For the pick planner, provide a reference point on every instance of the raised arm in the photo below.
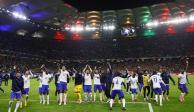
(74, 70)
(44, 68)
(90, 68)
(85, 68)
(109, 66)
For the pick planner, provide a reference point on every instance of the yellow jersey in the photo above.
(145, 80)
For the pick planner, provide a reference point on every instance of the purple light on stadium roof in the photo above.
(39, 15)
(21, 7)
(5, 27)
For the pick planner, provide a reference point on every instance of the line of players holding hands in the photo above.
(157, 83)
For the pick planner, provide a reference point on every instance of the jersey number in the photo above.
(117, 82)
(155, 80)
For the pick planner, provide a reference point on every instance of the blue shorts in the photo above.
(16, 95)
(45, 88)
(133, 90)
(140, 85)
(57, 86)
(87, 88)
(97, 87)
(183, 88)
(167, 87)
(62, 86)
(40, 90)
(117, 92)
(103, 87)
(26, 91)
(163, 87)
(157, 90)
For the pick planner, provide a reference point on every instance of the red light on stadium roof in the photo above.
(59, 36)
(171, 30)
(78, 22)
(164, 18)
(76, 36)
(190, 28)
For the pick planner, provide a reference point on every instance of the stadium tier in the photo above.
(147, 21)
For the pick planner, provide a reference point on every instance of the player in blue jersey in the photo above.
(166, 77)
(16, 89)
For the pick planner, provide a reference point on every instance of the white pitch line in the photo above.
(75, 101)
(150, 107)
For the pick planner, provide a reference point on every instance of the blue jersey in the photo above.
(109, 77)
(78, 79)
(17, 83)
(166, 77)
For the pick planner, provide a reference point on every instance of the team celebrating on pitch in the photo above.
(107, 82)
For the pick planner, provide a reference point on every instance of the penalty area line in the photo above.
(150, 107)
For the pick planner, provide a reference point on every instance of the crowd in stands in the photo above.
(151, 53)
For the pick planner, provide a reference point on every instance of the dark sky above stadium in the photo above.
(88, 5)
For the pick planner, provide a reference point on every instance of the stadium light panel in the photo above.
(87, 28)
(19, 16)
(111, 27)
(152, 24)
(191, 18)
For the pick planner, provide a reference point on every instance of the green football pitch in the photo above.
(140, 106)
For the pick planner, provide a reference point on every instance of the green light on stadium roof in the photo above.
(149, 32)
(145, 16)
(145, 20)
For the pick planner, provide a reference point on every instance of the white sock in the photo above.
(136, 96)
(43, 99)
(103, 95)
(132, 96)
(156, 98)
(123, 102)
(10, 105)
(90, 95)
(161, 100)
(94, 96)
(100, 96)
(183, 94)
(17, 106)
(111, 103)
(85, 97)
(65, 98)
(40, 98)
(60, 98)
(47, 99)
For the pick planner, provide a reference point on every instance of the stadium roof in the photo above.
(35, 13)
(39, 18)
(100, 5)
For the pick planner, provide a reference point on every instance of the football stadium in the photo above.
(96, 55)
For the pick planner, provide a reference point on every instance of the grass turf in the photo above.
(34, 106)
